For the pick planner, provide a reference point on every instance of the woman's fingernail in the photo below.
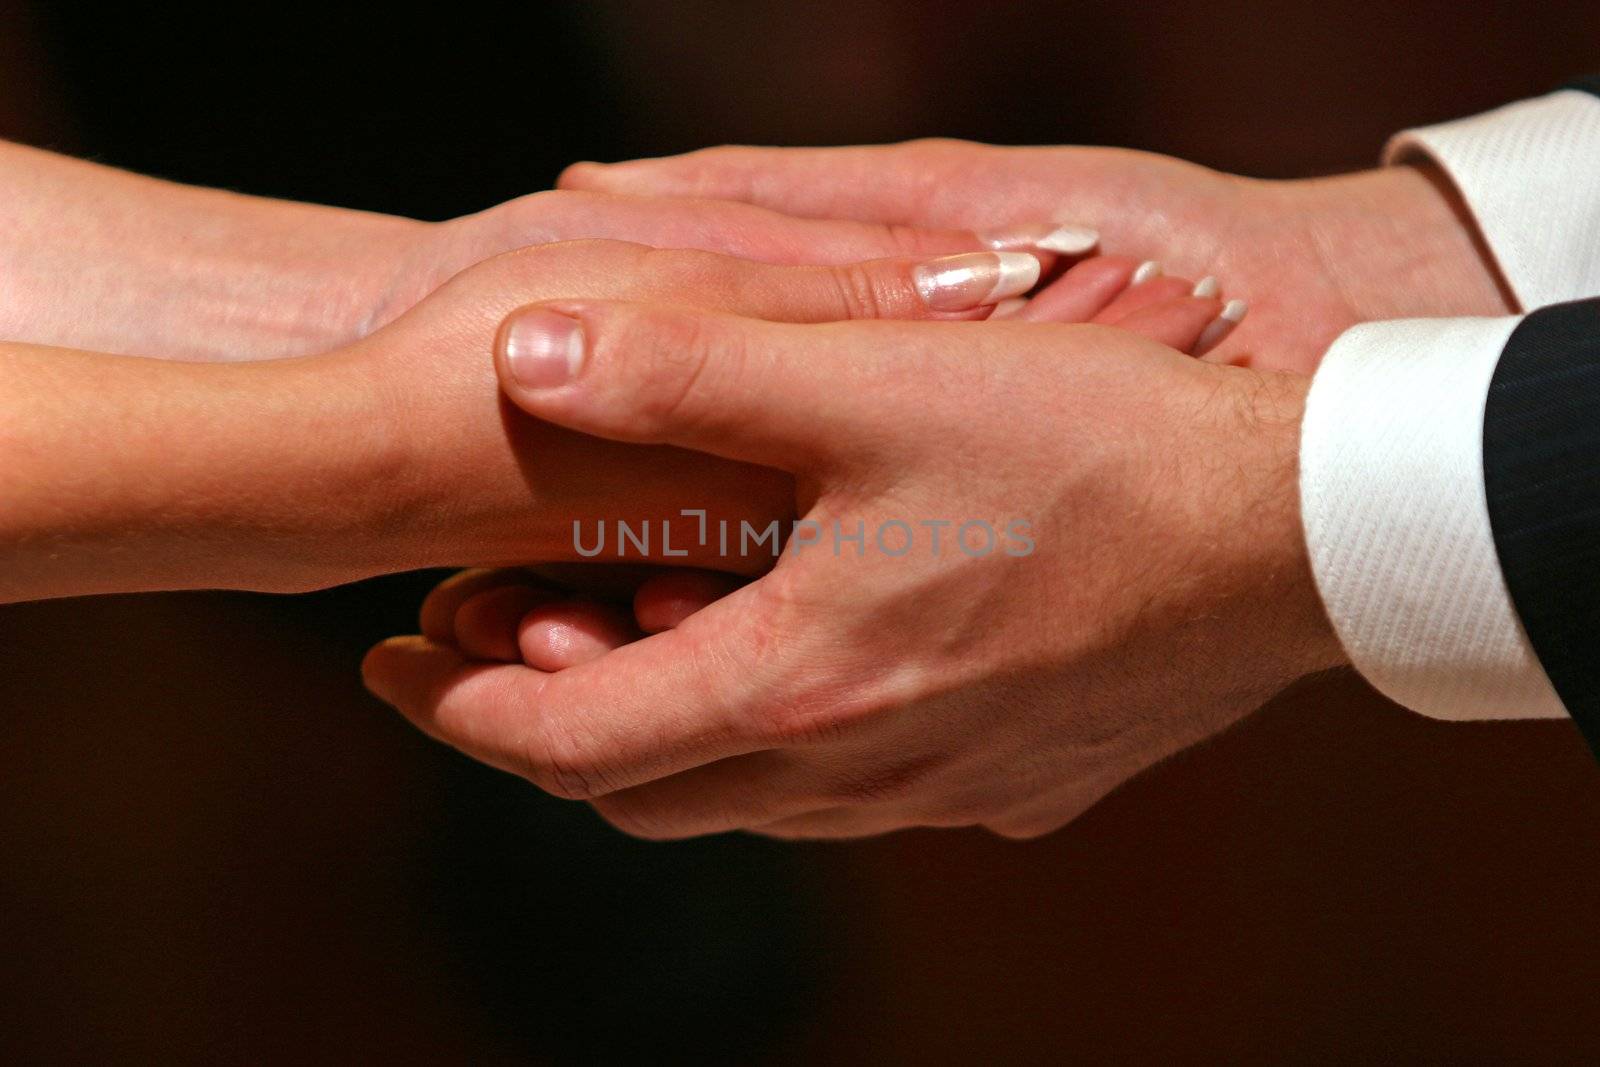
(1145, 271)
(973, 279)
(542, 349)
(1063, 238)
(1205, 287)
(1220, 327)
(1008, 309)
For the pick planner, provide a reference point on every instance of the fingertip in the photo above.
(401, 671)
(437, 616)
(1218, 330)
(665, 601)
(569, 633)
(486, 623)
(1054, 238)
(375, 665)
(968, 282)
(1177, 323)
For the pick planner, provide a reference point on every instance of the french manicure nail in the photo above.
(1205, 287)
(1145, 271)
(1063, 238)
(973, 279)
(542, 349)
(1220, 327)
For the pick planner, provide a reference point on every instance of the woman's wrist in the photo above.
(129, 475)
(157, 268)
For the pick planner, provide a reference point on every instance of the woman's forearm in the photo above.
(124, 475)
(101, 259)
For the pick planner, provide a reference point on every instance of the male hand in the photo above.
(1141, 585)
(527, 614)
(1314, 256)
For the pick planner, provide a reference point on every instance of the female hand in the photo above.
(180, 272)
(397, 451)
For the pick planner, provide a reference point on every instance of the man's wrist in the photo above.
(1287, 597)
(1399, 243)
(1528, 172)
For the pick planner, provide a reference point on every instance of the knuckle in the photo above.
(674, 270)
(795, 721)
(552, 256)
(909, 240)
(812, 690)
(940, 157)
(576, 176)
(526, 210)
(686, 366)
(543, 200)
(818, 710)
(795, 686)
(702, 169)
(565, 767)
(861, 290)
(729, 153)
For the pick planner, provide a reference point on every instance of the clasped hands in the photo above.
(866, 677)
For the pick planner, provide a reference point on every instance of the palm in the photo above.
(1312, 257)
(1256, 237)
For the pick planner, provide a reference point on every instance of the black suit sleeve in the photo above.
(1541, 467)
(1589, 83)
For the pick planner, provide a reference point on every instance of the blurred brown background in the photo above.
(215, 848)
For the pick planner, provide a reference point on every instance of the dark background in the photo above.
(214, 847)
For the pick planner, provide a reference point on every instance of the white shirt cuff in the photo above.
(1397, 522)
(1530, 173)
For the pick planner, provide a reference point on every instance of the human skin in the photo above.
(1154, 654)
(156, 268)
(521, 615)
(1168, 595)
(1315, 256)
(123, 474)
